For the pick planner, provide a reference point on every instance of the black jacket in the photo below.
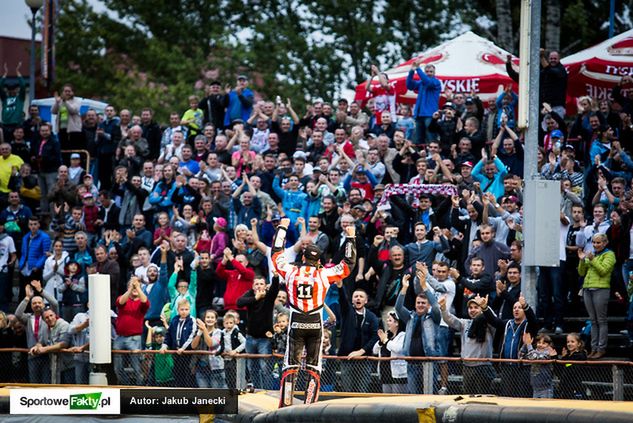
(260, 313)
(553, 85)
(369, 328)
(153, 134)
(50, 158)
(213, 108)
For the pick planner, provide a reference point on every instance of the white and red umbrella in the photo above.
(596, 70)
(464, 64)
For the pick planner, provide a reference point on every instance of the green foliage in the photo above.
(153, 53)
(583, 22)
(156, 52)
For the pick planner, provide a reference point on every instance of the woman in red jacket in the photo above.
(238, 280)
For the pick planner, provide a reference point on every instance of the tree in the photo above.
(552, 25)
(505, 37)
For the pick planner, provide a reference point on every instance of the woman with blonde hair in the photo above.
(597, 267)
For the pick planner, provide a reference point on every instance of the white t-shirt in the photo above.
(7, 246)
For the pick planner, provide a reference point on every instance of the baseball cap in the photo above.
(512, 199)
(276, 216)
(220, 221)
(469, 100)
(158, 330)
(569, 147)
(379, 187)
(472, 300)
(75, 156)
(87, 195)
(467, 164)
(556, 133)
(448, 105)
(299, 154)
(242, 76)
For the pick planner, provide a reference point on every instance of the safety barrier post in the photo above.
(618, 383)
(428, 377)
(54, 364)
(240, 382)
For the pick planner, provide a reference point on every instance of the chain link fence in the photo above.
(594, 380)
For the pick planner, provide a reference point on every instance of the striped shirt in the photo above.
(307, 285)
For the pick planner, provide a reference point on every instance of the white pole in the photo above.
(530, 35)
(100, 325)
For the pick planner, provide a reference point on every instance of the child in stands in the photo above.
(541, 375)
(570, 376)
(233, 343)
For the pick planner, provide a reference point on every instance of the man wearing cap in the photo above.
(443, 123)
(239, 101)
(75, 171)
(427, 102)
(307, 285)
(213, 105)
(473, 107)
(466, 172)
(477, 337)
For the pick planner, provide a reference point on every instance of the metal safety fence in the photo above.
(595, 380)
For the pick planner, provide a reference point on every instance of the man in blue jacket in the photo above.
(238, 101)
(35, 245)
(428, 88)
(359, 333)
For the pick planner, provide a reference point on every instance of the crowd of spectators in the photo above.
(182, 216)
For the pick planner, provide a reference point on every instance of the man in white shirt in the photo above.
(7, 258)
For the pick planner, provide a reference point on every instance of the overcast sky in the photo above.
(14, 18)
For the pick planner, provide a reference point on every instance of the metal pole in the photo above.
(32, 66)
(611, 18)
(618, 383)
(530, 165)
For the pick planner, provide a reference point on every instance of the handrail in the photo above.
(363, 358)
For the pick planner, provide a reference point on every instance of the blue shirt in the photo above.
(192, 165)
